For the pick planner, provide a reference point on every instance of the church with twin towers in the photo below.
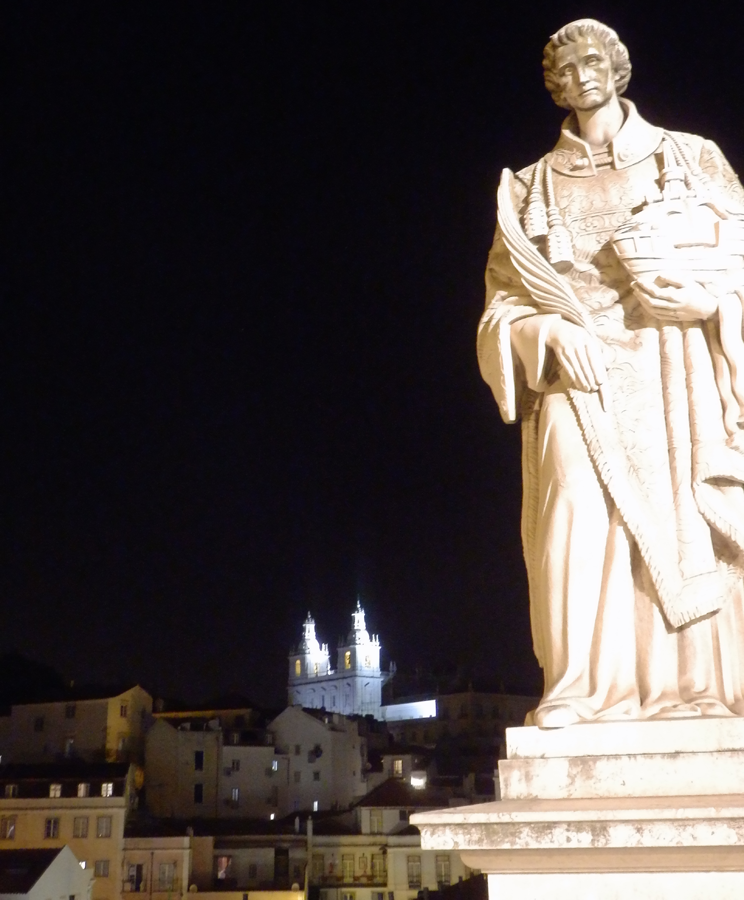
(353, 686)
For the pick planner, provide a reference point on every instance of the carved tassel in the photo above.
(559, 247)
(674, 178)
(536, 215)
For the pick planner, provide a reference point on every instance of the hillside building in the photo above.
(81, 805)
(91, 724)
(353, 686)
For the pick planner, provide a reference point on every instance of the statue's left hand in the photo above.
(675, 298)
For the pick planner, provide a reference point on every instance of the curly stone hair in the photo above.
(617, 51)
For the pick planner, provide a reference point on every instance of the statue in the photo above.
(613, 329)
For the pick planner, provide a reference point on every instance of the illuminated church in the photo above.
(353, 687)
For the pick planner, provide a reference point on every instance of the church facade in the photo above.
(352, 687)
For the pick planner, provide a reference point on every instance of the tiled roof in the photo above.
(83, 692)
(72, 769)
(396, 793)
(21, 869)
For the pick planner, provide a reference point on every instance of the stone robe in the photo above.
(633, 517)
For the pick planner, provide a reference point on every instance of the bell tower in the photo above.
(354, 687)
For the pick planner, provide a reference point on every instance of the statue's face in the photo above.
(583, 69)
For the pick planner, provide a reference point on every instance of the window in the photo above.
(297, 777)
(11, 790)
(347, 659)
(378, 895)
(7, 828)
(55, 790)
(123, 711)
(103, 826)
(70, 711)
(318, 866)
(403, 815)
(102, 868)
(135, 876)
(347, 866)
(223, 866)
(443, 870)
(235, 765)
(348, 895)
(166, 876)
(235, 795)
(51, 828)
(69, 746)
(414, 871)
(198, 793)
(80, 827)
(83, 789)
(379, 871)
(375, 821)
(316, 669)
(316, 776)
(298, 749)
(316, 805)
(252, 871)
(298, 667)
(198, 760)
(398, 768)
(274, 765)
(107, 789)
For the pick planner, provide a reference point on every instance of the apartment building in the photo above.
(96, 725)
(81, 805)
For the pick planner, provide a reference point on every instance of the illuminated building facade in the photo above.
(353, 688)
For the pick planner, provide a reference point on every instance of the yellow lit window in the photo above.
(298, 667)
(347, 659)
(316, 669)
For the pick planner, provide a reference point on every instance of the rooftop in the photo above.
(21, 869)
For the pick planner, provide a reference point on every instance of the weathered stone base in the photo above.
(618, 886)
(648, 810)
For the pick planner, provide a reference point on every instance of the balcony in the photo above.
(368, 880)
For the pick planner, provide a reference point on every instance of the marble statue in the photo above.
(613, 330)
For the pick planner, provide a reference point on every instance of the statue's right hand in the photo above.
(579, 353)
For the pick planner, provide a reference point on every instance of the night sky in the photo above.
(241, 285)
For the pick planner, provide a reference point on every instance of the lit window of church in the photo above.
(315, 669)
(347, 659)
(298, 667)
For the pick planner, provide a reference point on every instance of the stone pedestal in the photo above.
(609, 811)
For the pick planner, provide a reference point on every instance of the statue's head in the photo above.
(587, 34)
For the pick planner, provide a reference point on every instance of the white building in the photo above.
(214, 763)
(327, 758)
(41, 874)
(353, 687)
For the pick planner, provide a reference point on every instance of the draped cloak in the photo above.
(666, 454)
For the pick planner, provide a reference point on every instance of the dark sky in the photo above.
(241, 286)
